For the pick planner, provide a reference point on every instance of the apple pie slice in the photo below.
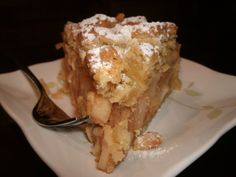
(118, 71)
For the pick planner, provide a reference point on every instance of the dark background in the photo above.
(30, 29)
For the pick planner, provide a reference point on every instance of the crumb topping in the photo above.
(115, 49)
(147, 140)
(87, 25)
(95, 60)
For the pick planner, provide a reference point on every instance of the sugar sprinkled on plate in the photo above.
(149, 154)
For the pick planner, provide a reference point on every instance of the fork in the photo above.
(46, 113)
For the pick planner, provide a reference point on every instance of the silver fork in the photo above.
(46, 113)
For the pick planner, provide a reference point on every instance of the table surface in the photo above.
(30, 29)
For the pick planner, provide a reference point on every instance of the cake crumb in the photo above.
(147, 140)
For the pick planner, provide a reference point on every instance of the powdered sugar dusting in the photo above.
(92, 27)
(147, 49)
(149, 154)
(121, 32)
(95, 60)
(90, 36)
(95, 19)
(87, 25)
(137, 19)
(116, 33)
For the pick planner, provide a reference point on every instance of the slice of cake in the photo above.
(118, 71)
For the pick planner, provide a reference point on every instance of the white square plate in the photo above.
(190, 121)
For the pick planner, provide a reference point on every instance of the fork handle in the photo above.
(30, 75)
